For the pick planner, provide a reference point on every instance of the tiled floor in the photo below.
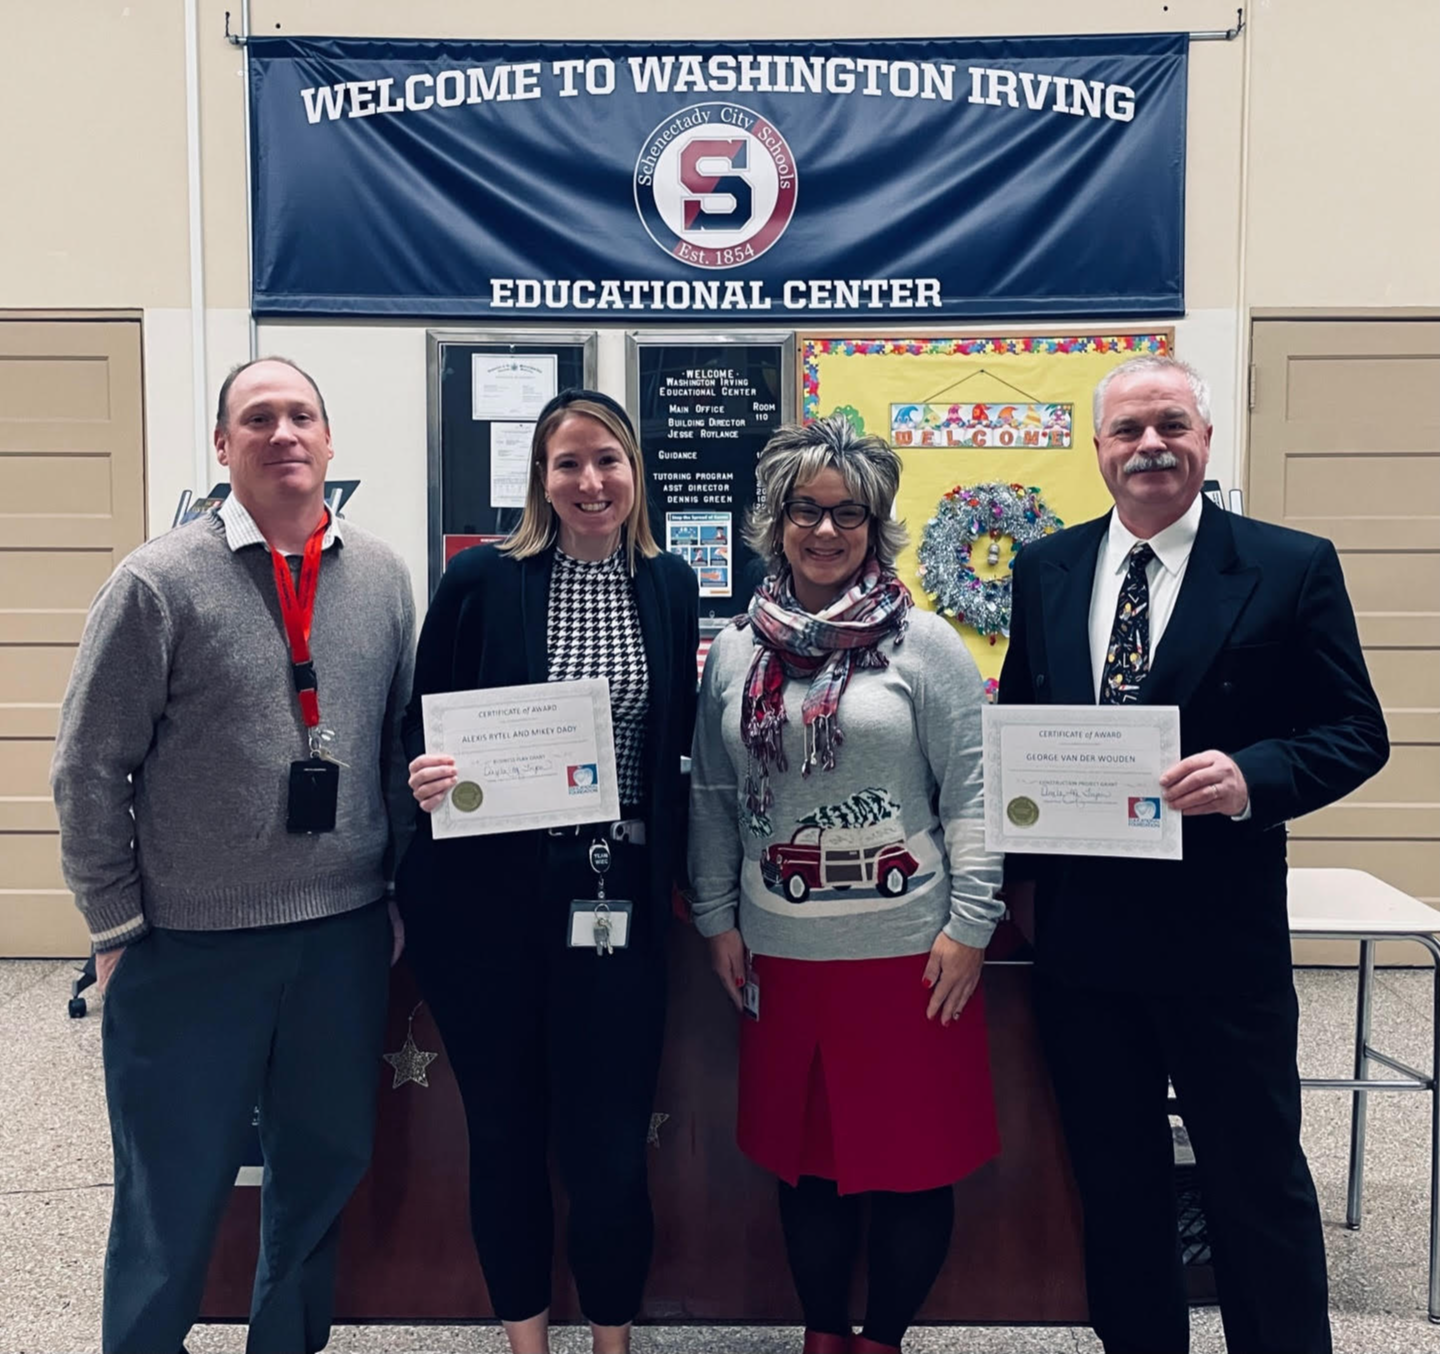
(55, 1193)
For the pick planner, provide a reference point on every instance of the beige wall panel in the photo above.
(1410, 776)
(32, 860)
(41, 924)
(93, 107)
(41, 628)
(1386, 581)
(72, 495)
(1321, 396)
(54, 388)
(1399, 630)
(60, 578)
(1416, 533)
(1414, 726)
(1404, 677)
(1372, 486)
(1397, 599)
(1412, 867)
(1342, 202)
(1351, 819)
(36, 485)
(36, 672)
(28, 720)
(34, 814)
(25, 766)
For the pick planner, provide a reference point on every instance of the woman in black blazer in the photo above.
(546, 1037)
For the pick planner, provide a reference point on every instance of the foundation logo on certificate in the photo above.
(1143, 811)
(582, 780)
(715, 185)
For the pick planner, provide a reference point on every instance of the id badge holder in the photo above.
(314, 795)
(600, 922)
(751, 990)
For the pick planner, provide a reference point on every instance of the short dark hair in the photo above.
(222, 413)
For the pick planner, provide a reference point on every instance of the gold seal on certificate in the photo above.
(1023, 811)
(467, 797)
(1081, 780)
(538, 756)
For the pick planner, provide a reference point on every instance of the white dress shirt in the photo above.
(1163, 578)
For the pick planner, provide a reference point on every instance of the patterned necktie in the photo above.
(1128, 656)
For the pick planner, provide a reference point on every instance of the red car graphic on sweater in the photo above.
(838, 858)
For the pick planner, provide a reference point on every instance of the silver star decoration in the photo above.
(410, 1062)
(652, 1135)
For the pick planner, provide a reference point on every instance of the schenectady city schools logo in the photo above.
(715, 185)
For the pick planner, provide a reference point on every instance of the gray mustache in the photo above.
(1142, 462)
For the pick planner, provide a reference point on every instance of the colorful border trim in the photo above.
(813, 349)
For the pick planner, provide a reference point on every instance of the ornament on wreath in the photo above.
(965, 516)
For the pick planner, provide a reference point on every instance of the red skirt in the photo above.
(843, 1077)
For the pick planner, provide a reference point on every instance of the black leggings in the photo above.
(910, 1234)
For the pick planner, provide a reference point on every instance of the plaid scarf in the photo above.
(826, 649)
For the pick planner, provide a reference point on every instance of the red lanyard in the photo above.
(297, 609)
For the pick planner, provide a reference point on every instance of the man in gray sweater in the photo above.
(231, 857)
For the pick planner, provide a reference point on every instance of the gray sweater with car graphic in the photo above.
(873, 858)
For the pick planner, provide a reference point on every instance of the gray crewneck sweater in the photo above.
(873, 858)
(180, 722)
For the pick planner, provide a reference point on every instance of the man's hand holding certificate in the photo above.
(539, 756)
(1081, 780)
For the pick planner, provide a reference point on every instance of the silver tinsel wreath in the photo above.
(963, 517)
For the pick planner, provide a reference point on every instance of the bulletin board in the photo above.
(484, 389)
(966, 411)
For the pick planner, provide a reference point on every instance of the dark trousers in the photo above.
(1232, 1060)
(551, 1044)
(199, 1029)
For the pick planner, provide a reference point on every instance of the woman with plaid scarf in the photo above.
(838, 860)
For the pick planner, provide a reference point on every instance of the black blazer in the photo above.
(1262, 657)
(486, 627)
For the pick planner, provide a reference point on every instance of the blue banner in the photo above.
(740, 182)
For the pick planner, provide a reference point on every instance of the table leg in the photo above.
(1364, 976)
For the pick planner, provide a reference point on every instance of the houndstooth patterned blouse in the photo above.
(593, 631)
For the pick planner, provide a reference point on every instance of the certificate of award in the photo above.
(539, 756)
(1081, 780)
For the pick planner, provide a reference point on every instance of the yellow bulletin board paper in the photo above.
(969, 410)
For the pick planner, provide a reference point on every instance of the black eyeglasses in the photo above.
(846, 516)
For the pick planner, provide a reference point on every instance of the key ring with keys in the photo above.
(602, 928)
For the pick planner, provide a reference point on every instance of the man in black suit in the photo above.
(1181, 970)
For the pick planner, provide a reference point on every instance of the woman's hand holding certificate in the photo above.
(1081, 780)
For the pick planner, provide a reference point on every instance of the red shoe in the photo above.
(863, 1345)
(826, 1342)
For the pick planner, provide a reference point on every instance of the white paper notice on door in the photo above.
(509, 463)
(511, 385)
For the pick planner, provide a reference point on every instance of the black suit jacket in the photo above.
(486, 627)
(1262, 657)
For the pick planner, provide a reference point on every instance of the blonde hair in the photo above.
(537, 529)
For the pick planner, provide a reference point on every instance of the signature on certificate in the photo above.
(520, 768)
(1077, 794)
